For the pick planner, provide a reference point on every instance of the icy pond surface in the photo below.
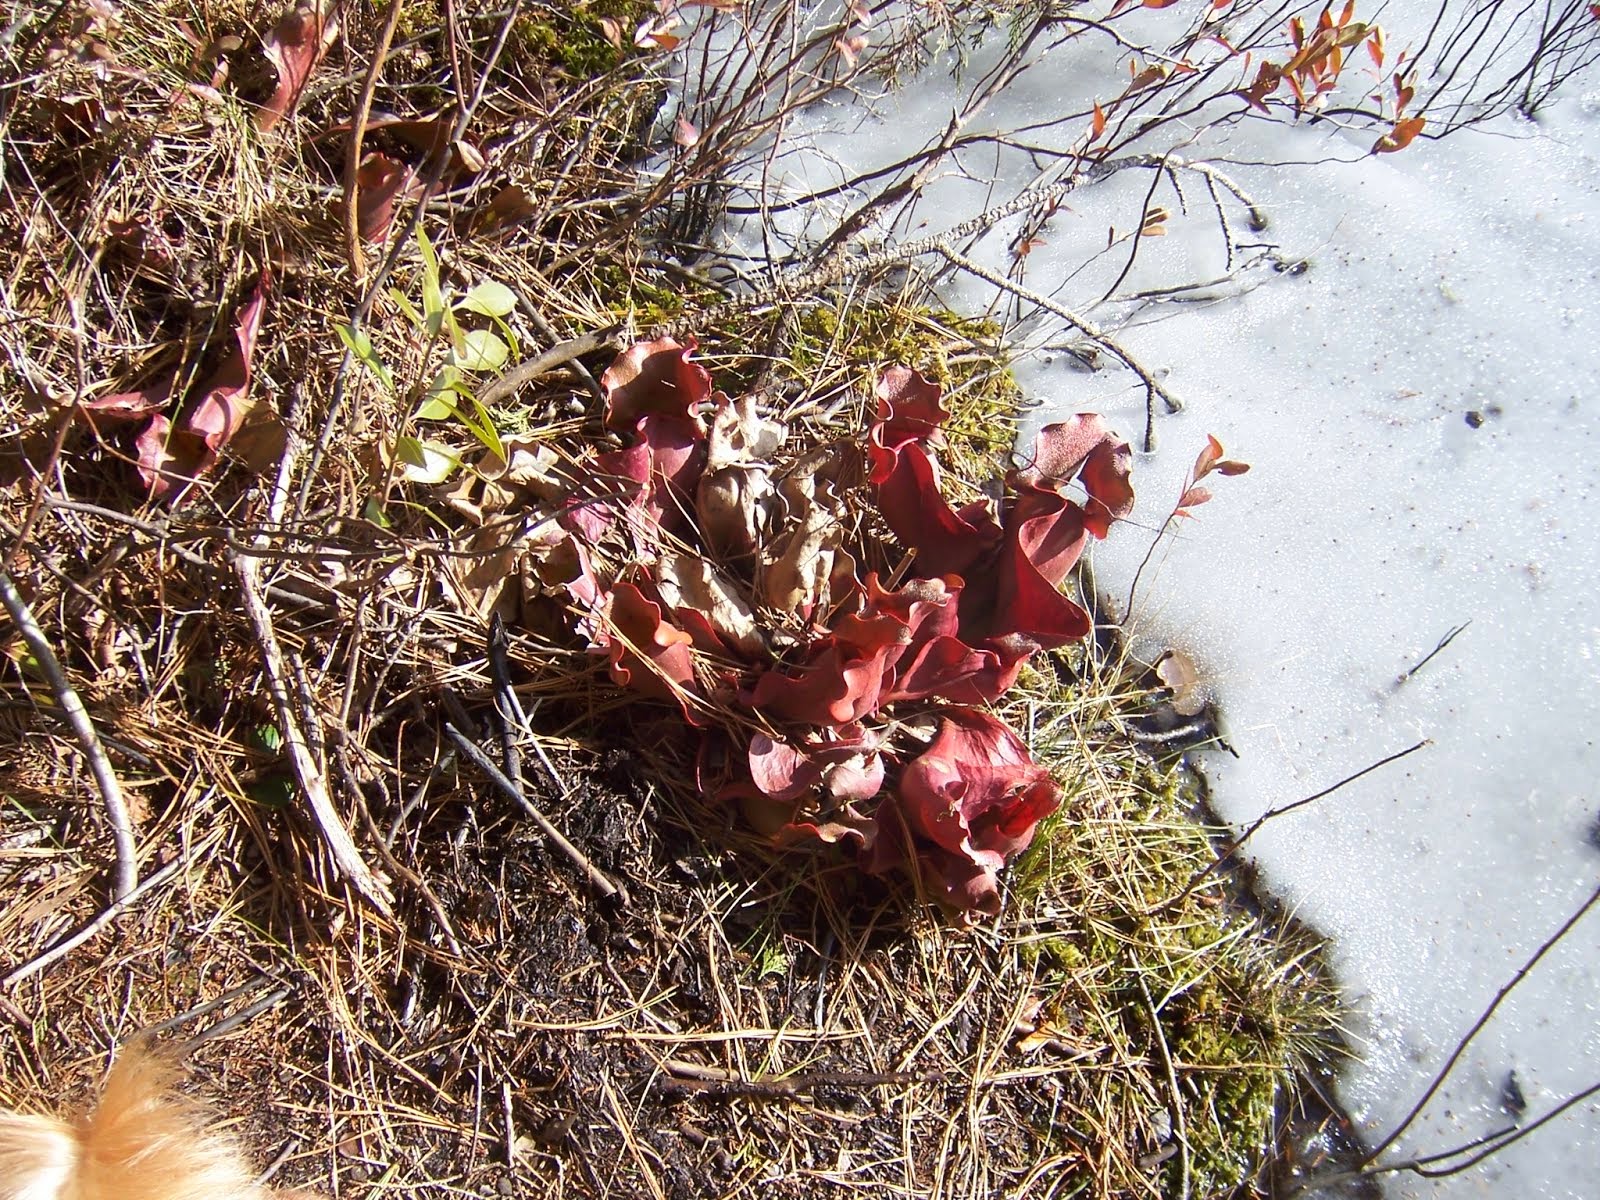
(1422, 409)
(1421, 405)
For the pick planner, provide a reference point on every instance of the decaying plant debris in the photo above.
(764, 630)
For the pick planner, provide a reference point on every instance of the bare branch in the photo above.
(77, 718)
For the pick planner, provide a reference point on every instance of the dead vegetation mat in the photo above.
(485, 1020)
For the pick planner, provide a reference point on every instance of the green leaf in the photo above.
(273, 791)
(510, 337)
(373, 511)
(481, 350)
(440, 404)
(432, 294)
(407, 307)
(266, 738)
(436, 408)
(482, 426)
(489, 298)
(425, 462)
(360, 345)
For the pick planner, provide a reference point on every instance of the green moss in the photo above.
(573, 38)
(962, 355)
(418, 18)
(1243, 1009)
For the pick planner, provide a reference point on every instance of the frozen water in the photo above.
(1421, 411)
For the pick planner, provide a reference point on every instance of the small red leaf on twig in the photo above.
(1210, 459)
(1402, 135)
(850, 48)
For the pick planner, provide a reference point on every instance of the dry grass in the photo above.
(750, 1021)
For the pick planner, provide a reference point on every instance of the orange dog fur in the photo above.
(144, 1141)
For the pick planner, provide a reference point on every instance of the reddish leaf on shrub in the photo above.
(1402, 135)
(1210, 455)
(295, 47)
(1210, 459)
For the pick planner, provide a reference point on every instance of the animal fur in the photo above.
(144, 1141)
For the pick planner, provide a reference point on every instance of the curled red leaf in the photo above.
(380, 181)
(172, 455)
(909, 415)
(977, 796)
(129, 406)
(646, 652)
(845, 765)
(225, 398)
(654, 377)
(841, 684)
(1084, 448)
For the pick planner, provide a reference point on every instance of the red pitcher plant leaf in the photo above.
(654, 377)
(645, 652)
(975, 790)
(172, 455)
(743, 605)
(295, 47)
(846, 766)
(909, 415)
(380, 181)
(225, 397)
